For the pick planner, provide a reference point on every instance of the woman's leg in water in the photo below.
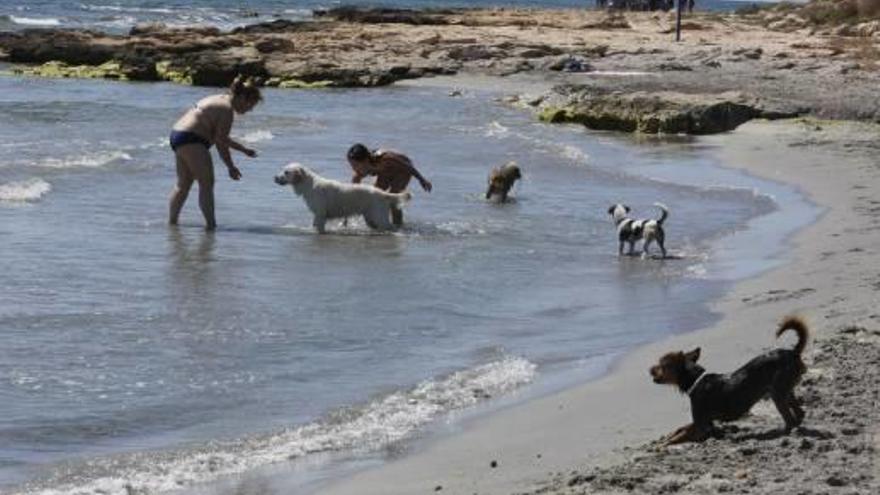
(181, 190)
(198, 161)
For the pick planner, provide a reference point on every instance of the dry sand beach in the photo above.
(600, 437)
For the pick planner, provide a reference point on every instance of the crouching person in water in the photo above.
(393, 172)
(206, 124)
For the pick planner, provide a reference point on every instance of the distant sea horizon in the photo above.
(121, 15)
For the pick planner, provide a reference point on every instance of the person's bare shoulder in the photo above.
(216, 105)
(391, 158)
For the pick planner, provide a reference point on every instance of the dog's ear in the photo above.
(611, 209)
(693, 355)
(627, 208)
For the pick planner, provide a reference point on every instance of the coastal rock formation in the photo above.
(623, 53)
(343, 47)
(650, 113)
(837, 17)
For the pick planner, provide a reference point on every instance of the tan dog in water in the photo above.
(501, 180)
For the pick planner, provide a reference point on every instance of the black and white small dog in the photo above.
(630, 230)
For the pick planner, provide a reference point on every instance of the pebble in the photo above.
(836, 480)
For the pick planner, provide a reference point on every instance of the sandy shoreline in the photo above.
(543, 444)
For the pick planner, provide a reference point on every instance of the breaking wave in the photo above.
(92, 160)
(29, 21)
(373, 425)
(28, 191)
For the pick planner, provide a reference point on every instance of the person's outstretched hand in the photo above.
(234, 172)
(250, 152)
(426, 185)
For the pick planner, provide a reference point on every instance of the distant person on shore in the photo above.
(206, 124)
(393, 172)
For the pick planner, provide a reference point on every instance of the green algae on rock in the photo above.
(57, 69)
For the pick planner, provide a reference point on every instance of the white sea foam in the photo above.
(122, 8)
(497, 130)
(299, 13)
(444, 229)
(697, 271)
(34, 21)
(92, 160)
(457, 228)
(28, 191)
(575, 154)
(117, 21)
(388, 419)
(258, 136)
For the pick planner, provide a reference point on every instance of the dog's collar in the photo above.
(696, 382)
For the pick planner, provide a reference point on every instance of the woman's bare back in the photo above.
(210, 118)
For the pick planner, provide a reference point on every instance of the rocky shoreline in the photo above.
(618, 71)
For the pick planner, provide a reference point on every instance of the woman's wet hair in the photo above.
(358, 152)
(247, 88)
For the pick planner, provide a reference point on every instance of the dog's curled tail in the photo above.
(664, 212)
(403, 198)
(797, 324)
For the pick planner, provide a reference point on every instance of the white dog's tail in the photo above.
(663, 213)
(399, 199)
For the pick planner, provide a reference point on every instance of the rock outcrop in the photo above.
(652, 113)
(344, 47)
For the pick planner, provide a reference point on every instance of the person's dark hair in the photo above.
(246, 87)
(358, 152)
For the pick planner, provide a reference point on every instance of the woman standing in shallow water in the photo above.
(202, 126)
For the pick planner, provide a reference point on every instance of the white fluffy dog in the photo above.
(328, 199)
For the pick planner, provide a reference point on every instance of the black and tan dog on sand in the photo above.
(727, 397)
(501, 179)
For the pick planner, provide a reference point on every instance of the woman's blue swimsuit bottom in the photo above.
(179, 138)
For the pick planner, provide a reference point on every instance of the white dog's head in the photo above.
(618, 212)
(295, 175)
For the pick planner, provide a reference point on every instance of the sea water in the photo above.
(138, 356)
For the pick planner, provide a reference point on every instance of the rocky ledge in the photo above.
(618, 71)
(343, 47)
(659, 112)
